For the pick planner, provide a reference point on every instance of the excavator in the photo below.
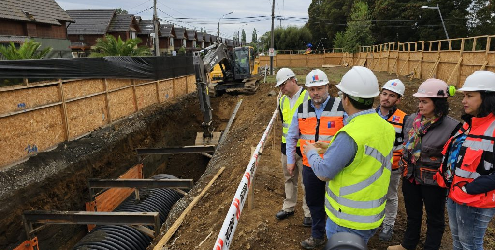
(239, 73)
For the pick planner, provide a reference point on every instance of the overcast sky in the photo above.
(197, 14)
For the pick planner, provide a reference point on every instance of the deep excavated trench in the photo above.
(57, 180)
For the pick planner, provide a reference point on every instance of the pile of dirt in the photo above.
(258, 228)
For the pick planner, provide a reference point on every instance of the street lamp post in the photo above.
(218, 27)
(441, 18)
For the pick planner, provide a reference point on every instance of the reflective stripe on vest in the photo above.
(353, 217)
(355, 198)
(385, 161)
(288, 112)
(312, 129)
(475, 160)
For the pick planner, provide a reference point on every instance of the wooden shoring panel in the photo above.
(146, 95)
(180, 87)
(82, 88)
(22, 99)
(444, 70)
(121, 103)
(119, 83)
(315, 60)
(166, 88)
(191, 84)
(28, 133)
(86, 115)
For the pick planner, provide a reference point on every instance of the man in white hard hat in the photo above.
(293, 96)
(390, 96)
(316, 120)
(357, 164)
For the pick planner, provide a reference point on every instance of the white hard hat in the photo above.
(396, 86)
(316, 78)
(359, 82)
(479, 81)
(283, 75)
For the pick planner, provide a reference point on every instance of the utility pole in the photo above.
(156, 24)
(272, 50)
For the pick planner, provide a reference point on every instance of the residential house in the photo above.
(44, 21)
(207, 40)
(200, 42)
(125, 26)
(191, 40)
(146, 28)
(167, 35)
(180, 38)
(88, 27)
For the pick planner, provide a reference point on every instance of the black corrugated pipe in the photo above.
(127, 238)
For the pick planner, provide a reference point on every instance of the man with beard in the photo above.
(316, 120)
(392, 91)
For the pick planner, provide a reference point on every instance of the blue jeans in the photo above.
(468, 225)
(333, 228)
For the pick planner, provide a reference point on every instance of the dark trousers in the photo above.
(315, 199)
(433, 198)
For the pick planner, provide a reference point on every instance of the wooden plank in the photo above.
(107, 104)
(64, 109)
(136, 108)
(163, 241)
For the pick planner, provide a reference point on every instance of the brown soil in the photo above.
(258, 228)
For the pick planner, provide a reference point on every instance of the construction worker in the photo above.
(358, 161)
(467, 167)
(390, 96)
(293, 96)
(317, 119)
(425, 134)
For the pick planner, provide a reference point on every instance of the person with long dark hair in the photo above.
(425, 134)
(467, 168)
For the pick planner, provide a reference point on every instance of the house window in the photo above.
(81, 38)
(194, 44)
(184, 43)
(171, 42)
(133, 34)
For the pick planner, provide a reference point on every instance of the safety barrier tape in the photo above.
(229, 225)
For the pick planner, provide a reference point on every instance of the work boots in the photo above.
(386, 233)
(396, 247)
(312, 243)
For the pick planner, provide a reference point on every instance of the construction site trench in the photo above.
(57, 180)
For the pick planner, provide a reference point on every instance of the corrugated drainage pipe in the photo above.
(127, 238)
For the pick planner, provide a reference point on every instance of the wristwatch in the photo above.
(464, 189)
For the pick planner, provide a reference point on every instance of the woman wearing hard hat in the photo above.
(425, 133)
(467, 168)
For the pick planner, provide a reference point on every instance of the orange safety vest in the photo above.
(312, 129)
(475, 159)
(397, 120)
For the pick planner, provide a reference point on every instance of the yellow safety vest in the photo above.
(356, 197)
(288, 113)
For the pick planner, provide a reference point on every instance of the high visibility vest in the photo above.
(356, 197)
(397, 121)
(312, 129)
(475, 159)
(288, 112)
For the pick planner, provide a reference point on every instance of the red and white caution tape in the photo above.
(229, 225)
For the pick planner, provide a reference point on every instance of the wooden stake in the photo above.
(178, 222)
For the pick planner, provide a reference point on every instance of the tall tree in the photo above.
(326, 18)
(28, 50)
(254, 36)
(121, 11)
(289, 38)
(243, 36)
(481, 20)
(358, 31)
(110, 46)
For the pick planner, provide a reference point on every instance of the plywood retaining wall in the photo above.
(38, 117)
(451, 60)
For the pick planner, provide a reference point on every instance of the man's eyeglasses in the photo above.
(340, 94)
